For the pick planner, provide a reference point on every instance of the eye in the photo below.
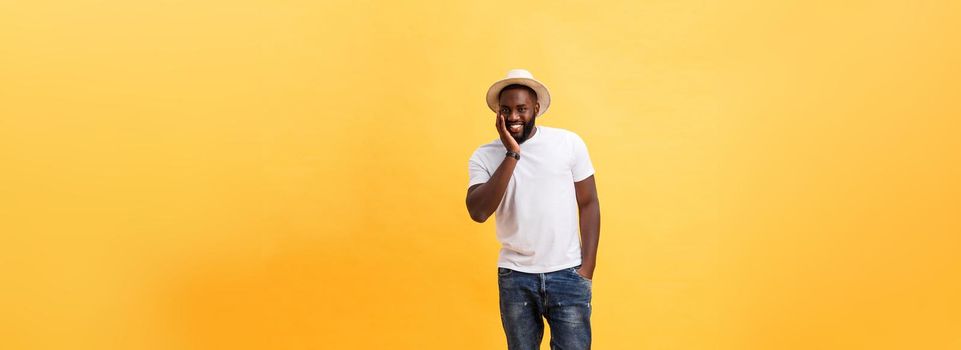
(522, 110)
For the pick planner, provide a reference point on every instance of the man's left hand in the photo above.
(586, 274)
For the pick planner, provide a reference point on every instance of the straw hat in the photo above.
(523, 77)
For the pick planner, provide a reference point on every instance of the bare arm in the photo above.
(483, 199)
(590, 220)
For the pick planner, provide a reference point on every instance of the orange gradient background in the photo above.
(291, 175)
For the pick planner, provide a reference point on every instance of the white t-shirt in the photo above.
(537, 220)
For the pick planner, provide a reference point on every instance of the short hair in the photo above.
(518, 86)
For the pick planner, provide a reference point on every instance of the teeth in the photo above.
(516, 126)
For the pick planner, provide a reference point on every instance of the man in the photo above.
(539, 181)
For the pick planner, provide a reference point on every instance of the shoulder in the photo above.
(492, 147)
(559, 133)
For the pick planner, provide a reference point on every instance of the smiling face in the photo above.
(518, 105)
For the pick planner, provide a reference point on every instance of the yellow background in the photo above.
(291, 174)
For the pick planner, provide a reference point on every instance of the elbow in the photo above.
(476, 213)
(478, 217)
(590, 204)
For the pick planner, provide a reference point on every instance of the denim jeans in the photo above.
(562, 297)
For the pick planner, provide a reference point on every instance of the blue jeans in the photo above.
(563, 297)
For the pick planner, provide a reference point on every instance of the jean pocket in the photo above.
(503, 271)
(574, 270)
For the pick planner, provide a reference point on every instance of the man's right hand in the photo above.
(506, 137)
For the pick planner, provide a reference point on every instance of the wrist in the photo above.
(512, 154)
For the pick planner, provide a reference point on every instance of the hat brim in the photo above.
(543, 96)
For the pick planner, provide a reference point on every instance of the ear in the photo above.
(537, 107)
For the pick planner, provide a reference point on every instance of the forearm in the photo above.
(590, 224)
(483, 201)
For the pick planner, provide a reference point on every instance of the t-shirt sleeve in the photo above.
(582, 167)
(477, 171)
